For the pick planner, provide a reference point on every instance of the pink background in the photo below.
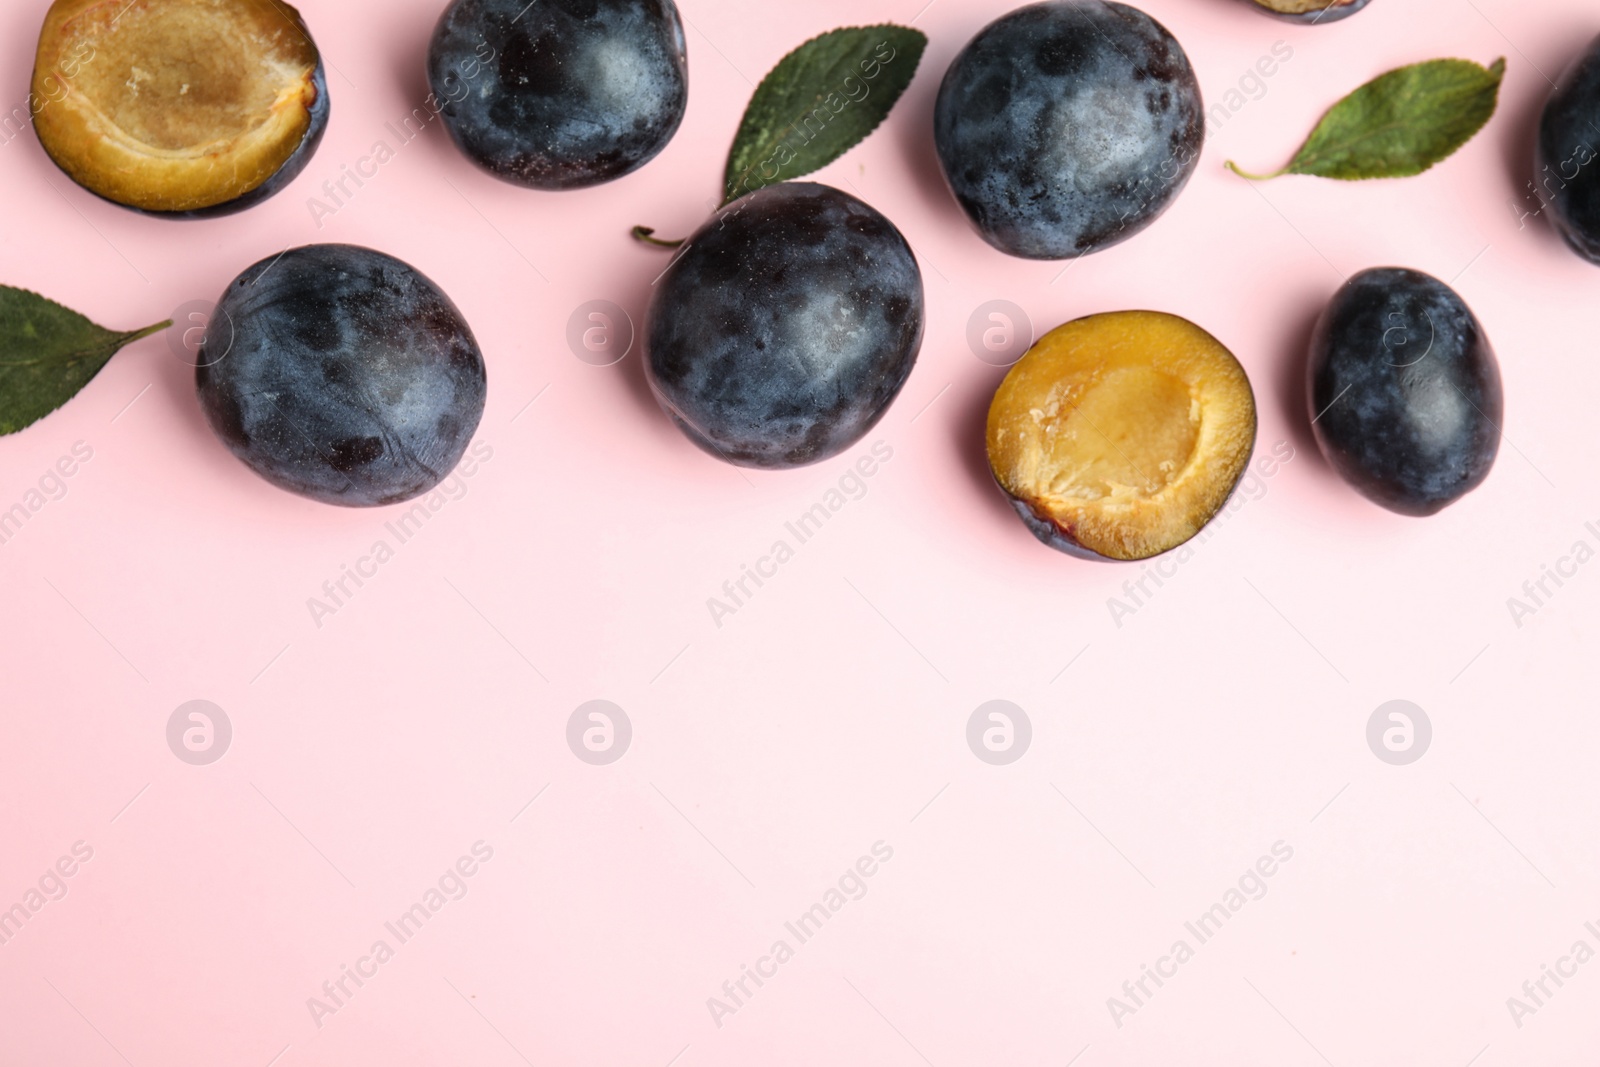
(829, 713)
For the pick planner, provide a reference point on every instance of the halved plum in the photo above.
(182, 108)
(1120, 435)
(1312, 12)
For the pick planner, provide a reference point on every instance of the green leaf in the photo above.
(820, 101)
(47, 354)
(1399, 123)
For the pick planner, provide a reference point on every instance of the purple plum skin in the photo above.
(786, 327)
(1068, 126)
(1567, 162)
(341, 374)
(560, 94)
(1404, 392)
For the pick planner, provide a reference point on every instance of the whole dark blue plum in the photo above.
(341, 374)
(1068, 126)
(1311, 12)
(786, 327)
(1567, 167)
(1404, 391)
(560, 94)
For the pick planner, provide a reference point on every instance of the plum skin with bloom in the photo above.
(787, 326)
(1068, 126)
(571, 93)
(341, 374)
(1569, 137)
(1404, 391)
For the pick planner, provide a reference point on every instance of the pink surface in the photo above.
(1169, 752)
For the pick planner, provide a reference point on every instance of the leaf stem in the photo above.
(1231, 165)
(646, 235)
(129, 338)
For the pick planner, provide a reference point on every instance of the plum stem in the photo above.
(1231, 165)
(647, 236)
